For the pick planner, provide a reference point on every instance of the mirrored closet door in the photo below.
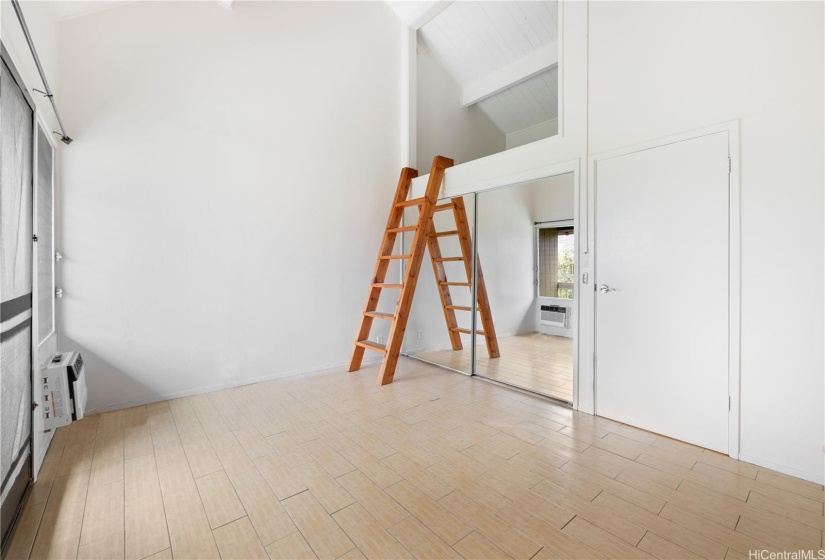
(526, 245)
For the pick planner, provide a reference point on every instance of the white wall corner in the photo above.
(423, 12)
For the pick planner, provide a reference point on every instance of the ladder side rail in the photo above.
(382, 265)
(464, 236)
(443, 289)
(405, 298)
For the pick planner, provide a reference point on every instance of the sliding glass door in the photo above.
(16, 216)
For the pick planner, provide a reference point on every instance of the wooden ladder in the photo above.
(462, 230)
(426, 208)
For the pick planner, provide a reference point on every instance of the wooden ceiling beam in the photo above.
(518, 71)
(424, 12)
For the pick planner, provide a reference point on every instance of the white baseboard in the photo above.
(818, 478)
(210, 388)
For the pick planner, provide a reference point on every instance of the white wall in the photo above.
(552, 199)
(226, 190)
(507, 252)
(538, 131)
(444, 127)
(727, 71)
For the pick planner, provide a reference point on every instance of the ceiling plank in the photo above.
(516, 72)
(424, 12)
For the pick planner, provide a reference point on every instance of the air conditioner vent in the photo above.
(554, 316)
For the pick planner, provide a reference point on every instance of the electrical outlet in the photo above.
(379, 339)
(420, 334)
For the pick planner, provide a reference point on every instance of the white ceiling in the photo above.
(73, 8)
(526, 104)
(402, 8)
(473, 39)
(67, 9)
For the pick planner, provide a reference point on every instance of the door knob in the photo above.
(604, 288)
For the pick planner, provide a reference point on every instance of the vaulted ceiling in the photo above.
(504, 55)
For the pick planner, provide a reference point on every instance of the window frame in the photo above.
(554, 224)
(40, 124)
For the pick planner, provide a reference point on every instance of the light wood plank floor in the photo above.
(537, 362)
(436, 465)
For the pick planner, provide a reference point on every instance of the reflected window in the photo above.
(556, 262)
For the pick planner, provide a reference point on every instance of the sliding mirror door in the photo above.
(440, 323)
(526, 248)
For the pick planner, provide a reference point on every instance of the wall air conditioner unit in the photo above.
(554, 316)
(64, 390)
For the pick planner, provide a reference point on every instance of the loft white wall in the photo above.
(530, 134)
(226, 190)
(713, 64)
(444, 127)
(552, 199)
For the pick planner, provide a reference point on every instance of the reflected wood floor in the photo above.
(436, 465)
(537, 362)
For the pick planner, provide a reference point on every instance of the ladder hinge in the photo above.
(34, 238)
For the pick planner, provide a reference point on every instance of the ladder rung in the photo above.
(441, 207)
(390, 257)
(447, 259)
(379, 315)
(411, 202)
(459, 308)
(400, 229)
(466, 331)
(370, 345)
(454, 284)
(389, 286)
(444, 233)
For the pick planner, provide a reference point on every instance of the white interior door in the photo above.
(662, 300)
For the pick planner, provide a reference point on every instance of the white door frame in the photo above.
(42, 349)
(734, 262)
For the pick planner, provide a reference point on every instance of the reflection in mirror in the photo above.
(440, 321)
(487, 78)
(526, 237)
